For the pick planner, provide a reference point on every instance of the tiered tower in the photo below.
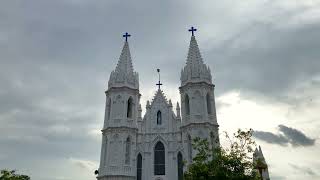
(120, 124)
(197, 100)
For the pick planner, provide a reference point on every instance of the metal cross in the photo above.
(192, 30)
(159, 83)
(126, 35)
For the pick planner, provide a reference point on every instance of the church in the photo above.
(157, 145)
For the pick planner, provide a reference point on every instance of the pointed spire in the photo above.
(124, 74)
(195, 70)
(125, 63)
(194, 56)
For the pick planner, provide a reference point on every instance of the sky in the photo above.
(56, 58)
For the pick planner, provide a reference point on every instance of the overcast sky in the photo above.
(56, 58)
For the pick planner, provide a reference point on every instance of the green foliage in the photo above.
(217, 163)
(11, 175)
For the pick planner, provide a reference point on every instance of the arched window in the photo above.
(128, 149)
(190, 148)
(109, 108)
(159, 159)
(212, 139)
(159, 118)
(187, 105)
(139, 167)
(198, 103)
(180, 166)
(105, 152)
(129, 108)
(209, 108)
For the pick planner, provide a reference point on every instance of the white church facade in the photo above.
(158, 145)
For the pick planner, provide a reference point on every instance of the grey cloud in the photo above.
(271, 137)
(296, 137)
(305, 170)
(56, 57)
(285, 136)
(266, 59)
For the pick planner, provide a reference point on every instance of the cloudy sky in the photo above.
(56, 57)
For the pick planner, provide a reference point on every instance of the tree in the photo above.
(11, 175)
(218, 163)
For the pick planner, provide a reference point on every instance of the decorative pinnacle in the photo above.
(192, 29)
(126, 35)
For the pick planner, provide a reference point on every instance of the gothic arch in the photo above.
(197, 102)
(212, 138)
(209, 106)
(139, 167)
(159, 159)
(115, 145)
(187, 104)
(105, 151)
(127, 150)
(180, 166)
(159, 118)
(157, 139)
(117, 107)
(189, 142)
(109, 108)
(130, 107)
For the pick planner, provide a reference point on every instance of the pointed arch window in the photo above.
(105, 152)
(180, 166)
(139, 167)
(187, 104)
(159, 159)
(128, 150)
(212, 139)
(159, 118)
(109, 108)
(190, 148)
(209, 107)
(129, 107)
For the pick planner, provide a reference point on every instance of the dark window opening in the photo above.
(209, 108)
(180, 166)
(187, 105)
(129, 108)
(159, 159)
(128, 149)
(159, 118)
(190, 148)
(139, 167)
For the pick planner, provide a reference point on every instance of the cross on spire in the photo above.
(126, 35)
(159, 84)
(192, 29)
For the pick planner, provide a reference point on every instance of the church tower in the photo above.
(260, 164)
(197, 101)
(117, 160)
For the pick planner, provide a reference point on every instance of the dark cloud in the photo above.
(303, 169)
(56, 57)
(285, 136)
(271, 137)
(296, 137)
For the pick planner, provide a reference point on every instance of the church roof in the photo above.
(195, 70)
(159, 97)
(124, 74)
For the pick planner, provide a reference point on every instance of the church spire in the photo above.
(124, 74)
(195, 70)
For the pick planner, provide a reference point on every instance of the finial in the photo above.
(192, 29)
(159, 83)
(126, 35)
